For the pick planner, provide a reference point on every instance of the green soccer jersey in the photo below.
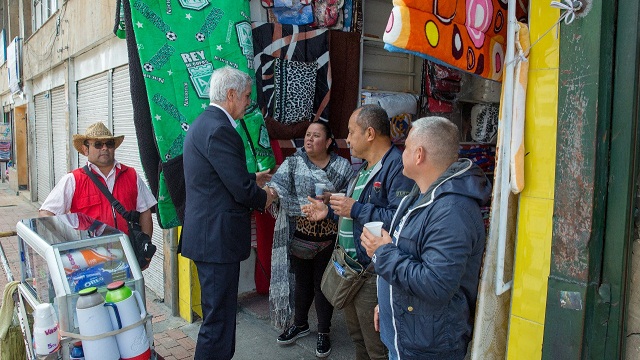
(345, 233)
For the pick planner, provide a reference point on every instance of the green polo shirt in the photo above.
(345, 232)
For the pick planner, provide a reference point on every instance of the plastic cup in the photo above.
(320, 189)
(340, 194)
(374, 227)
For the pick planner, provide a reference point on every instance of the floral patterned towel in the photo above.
(468, 35)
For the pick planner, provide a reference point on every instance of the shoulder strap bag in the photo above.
(342, 278)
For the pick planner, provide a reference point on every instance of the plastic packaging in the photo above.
(99, 275)
(46, 335)
(76, 352)
(255, 137)
(82, 259)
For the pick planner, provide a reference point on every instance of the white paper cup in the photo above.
(320, 189)
(374, 227)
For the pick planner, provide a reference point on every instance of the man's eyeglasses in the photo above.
(99, 144)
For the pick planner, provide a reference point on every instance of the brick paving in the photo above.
(171, 343)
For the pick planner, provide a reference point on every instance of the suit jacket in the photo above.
(220, 192)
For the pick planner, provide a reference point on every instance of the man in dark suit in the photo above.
(220, 194)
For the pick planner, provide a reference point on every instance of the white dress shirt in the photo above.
(233, 122)
(59, 199)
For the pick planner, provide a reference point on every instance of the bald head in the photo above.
(439, 137)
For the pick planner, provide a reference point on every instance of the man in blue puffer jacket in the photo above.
(428, 270)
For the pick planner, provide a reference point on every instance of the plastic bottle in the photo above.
(46, 335)
(82, 259)
(134, 343)
(93, 319)
(76, 352)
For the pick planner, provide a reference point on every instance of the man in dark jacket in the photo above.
(220, 196)
(373, 195)
(428, 269)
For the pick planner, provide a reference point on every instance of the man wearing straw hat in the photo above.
(76, 193)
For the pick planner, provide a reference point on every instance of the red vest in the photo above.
(88, 199)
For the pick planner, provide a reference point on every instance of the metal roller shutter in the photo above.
(129, 154)
(60, 131)
(93, 104)
(43, 146)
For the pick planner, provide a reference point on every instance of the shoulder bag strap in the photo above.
(249, 140)
(112, 200)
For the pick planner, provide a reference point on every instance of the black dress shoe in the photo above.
(292, 333)
(323, 348)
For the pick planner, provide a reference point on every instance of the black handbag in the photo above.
(140, 241)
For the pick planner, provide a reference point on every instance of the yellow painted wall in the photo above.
(189, 291)
(533, 249)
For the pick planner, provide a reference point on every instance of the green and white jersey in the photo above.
(345, 232)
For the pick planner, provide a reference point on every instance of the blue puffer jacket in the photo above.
(428, 278)
(379, 198)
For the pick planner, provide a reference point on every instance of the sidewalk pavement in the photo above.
(174, 338)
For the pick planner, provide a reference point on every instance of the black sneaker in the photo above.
(323, 349)
(292, 333)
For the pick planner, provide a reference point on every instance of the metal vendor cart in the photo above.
(61, 255)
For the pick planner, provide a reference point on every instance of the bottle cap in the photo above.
(42, 311)
(88, 291)
(115, 285)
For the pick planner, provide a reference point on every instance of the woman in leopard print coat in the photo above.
(308, 245)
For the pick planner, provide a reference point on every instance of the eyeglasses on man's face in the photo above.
(99, 144)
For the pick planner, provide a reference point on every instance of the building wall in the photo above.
(13, 25)
(4, 83)
(74, 44)
(74, 29)
(533, 247)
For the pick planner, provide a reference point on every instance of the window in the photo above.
(42, 10)
(3, 46)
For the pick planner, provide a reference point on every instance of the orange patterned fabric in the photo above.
(467, 34)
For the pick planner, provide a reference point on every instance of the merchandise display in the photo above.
(468, 35)
(99, 275)
(73, 295)
(82, 259)
(177, 61)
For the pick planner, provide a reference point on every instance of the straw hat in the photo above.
(96, 131)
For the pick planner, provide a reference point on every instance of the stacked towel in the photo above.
(469, 35)
(482, 155)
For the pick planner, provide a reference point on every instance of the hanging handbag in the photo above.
(305, 249)
(342, 279)
(140, 241)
